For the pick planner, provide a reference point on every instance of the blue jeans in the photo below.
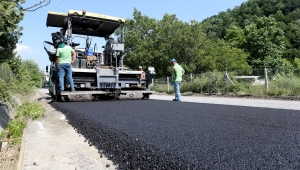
(62, 68)
(177, 90)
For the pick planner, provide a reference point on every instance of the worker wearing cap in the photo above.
(143, 75)
(65, 57)
(177, 73)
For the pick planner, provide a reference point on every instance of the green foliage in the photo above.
(4, 93)
(10, 32)
(210, 82)
(235, 37)
(297, 63)
(20, 81)
(222, 57)
(265, 43)
(232, 24)
(35, 74)
(215, 83)
(151, 42)
(263, 40)
(285, 85)
(16, 126)
(31, 110)
(15, 64)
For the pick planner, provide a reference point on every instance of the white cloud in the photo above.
(23, 49)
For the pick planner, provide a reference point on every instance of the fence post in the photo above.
(191, 77)
(152, 83)
(2, 71)
(168, 84)
(266, 78)
(227, 77)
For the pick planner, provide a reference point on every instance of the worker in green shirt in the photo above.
(65, 57)
(177, 73)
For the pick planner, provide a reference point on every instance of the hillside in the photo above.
(286, 13)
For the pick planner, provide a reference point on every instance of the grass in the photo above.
(214, 83)
(14, 91)
(31, 110)
(17, 125)
(12, 87)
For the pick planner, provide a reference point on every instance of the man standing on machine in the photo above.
(63, 64)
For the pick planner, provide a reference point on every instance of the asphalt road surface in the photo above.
(161, 134)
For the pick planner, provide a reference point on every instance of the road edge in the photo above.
(22, 148)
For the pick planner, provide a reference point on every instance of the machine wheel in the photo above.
(145, 96)
(66, 99)
(119, 97)
(54, 97)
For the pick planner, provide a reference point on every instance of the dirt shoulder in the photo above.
(51, 143)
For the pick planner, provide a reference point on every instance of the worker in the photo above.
(143, 75)
(177, 73)
(63, 64)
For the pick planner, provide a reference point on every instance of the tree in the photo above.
(229, 58)
(235, 37)
(10, 32)
(15, 64)
(150, 42)
(264, 41)
(36, 78)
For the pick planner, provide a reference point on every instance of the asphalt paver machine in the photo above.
(96, 74)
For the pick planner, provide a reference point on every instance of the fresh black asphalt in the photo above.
(156, 134)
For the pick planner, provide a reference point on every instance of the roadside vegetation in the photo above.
(215, 83)
(18, 124)
(19, 79)
(255, 35)
(258, 34)
(18, 82)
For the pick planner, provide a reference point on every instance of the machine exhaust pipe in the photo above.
(102, 59)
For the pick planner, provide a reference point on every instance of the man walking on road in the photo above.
(177, 73)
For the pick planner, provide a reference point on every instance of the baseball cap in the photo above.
(140, 66)
(173, 60)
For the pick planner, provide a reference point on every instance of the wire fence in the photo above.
(9, 150)
(5, 73)
(214, 82)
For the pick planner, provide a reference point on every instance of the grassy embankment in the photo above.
(15, 94)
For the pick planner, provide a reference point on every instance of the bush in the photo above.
(31, 110)
(16, 126)
(214, 82)
(4, 92)
(285, 85)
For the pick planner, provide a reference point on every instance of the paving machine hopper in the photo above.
(95, 74)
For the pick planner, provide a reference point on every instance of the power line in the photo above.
(29, 9)
(29, 14)
(43, 21)
(58, 4)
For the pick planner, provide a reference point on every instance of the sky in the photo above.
(35, 31)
